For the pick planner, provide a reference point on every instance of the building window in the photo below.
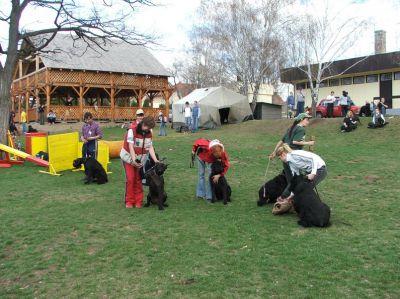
(386, 77)
(347, 81)
(323, 83)
(308, 84)
(359, 80)
(397, 76)
(300, 86)
(372, 78)
(334, 82)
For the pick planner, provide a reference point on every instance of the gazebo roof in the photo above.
(67, 51)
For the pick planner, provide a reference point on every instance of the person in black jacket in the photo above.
(349, 122)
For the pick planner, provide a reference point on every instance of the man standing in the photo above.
(290, 105)
(23, 121)
(330, 101)
(41, 113)
(300, 102)
(90, 133)
(196, 112)
(188, 115)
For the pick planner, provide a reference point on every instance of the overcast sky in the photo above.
(174, 18)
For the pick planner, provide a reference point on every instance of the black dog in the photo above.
(272, 189)
(155, 181)
(311, 210)
(94, 171)
(221, 190)
(31, 129)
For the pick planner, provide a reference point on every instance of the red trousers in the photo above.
(133, 185)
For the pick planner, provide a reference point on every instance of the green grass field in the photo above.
(60, 238)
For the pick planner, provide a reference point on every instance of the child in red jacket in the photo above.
(207, 152)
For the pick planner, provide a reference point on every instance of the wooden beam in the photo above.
(37, 62)
(112, 98)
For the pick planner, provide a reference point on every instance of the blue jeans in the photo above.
(163, 129)
(300, 107)
(187, 121)
(203, 181)
(89, 149)
(195, 124)
(24, 129)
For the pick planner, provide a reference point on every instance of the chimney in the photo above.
(380, 41)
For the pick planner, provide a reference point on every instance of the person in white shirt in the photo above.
(330, 100)
(303, 162)
(188, 114)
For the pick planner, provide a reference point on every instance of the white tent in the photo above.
(212, 101)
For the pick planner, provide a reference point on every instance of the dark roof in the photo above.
(69, 52)
(372, 63)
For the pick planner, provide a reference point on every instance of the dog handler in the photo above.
(90, 133)
(138, 143)
(295, 138)
(208, 152)
(303, 162)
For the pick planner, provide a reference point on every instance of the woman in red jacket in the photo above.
(138, 143)
(208, 152)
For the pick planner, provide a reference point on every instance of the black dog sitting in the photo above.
(272, 189)
(311, 210)
(31, 129)
(221, 190)
(94, 171)
(155, 181)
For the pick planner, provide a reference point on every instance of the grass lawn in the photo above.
(60, 238)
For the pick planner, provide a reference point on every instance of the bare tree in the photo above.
(95, 24)
(317, 41)
(238, 43)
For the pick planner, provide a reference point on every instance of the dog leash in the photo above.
(266, 171)
(265, 175)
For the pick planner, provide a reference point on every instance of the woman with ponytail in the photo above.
(303, 162)
(294, 138)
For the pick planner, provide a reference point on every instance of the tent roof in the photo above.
(67, 51)
(210, 95)
(197, 95)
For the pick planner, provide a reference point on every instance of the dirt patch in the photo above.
(372, 178)
(344, 177)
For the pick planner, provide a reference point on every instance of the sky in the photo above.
(173, 19)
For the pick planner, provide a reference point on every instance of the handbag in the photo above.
(125, 156)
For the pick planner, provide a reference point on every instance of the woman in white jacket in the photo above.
(303, 162)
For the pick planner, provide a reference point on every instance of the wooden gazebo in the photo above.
(71, 78)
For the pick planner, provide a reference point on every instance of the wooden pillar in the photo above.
(140, 97)
(37, 62)
(80, 97)
(27, 107)
(166, 98)
(48, 96)
(20, 68)
(112, 100)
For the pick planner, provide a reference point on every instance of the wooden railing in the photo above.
(70, 113)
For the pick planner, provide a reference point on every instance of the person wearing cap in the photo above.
(138, 143)
(295, 135)
(139, 118)
(208, 152)
(295, 138)
(163, 122)
(91, 132)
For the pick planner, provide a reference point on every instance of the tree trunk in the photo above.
(6, 76)
(255, 96)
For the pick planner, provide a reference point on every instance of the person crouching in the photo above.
(208, 152)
